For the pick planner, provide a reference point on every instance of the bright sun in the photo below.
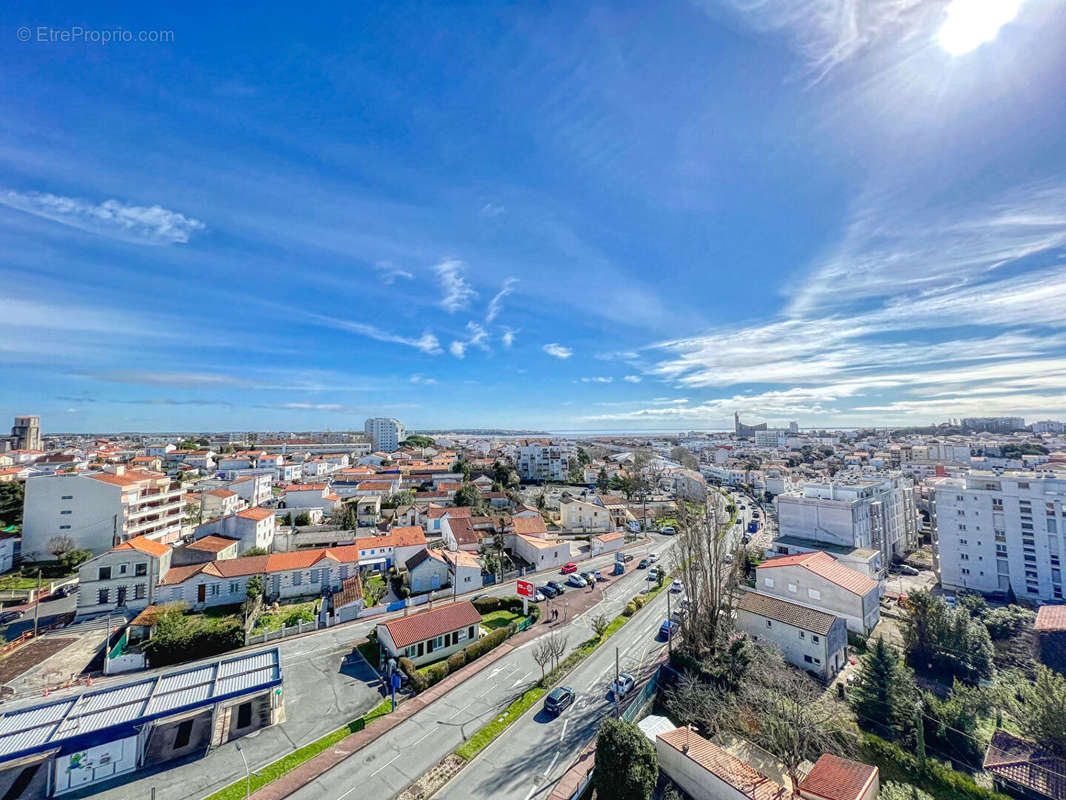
(971, 23)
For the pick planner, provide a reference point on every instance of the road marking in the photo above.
(517, 682)
(349, 792)
(461, 710)
(551, 766)
(423, 736)
(375, 772)
(561, 735)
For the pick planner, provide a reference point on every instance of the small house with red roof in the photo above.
(124, 577)
(836, 778)
(819, 581)
(431, 635)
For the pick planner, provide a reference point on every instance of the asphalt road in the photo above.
(534, 752)
(387, 765)
(50, 611)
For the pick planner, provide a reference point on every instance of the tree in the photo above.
(303, 518)
(462, 466)
(12, 499)
(417, 440)
(542, 654)
(576, 473)
(404, 498)
(254, 587)
(894, 790)
(884, 695)
(288, 519)
(542, 502)
(468, 495)
(600, 623)
(60, 544)
(1043, 714)
(255, 551)
(684, 457)
(72, 559)
(603, 482)
(947, 642)
(373, 591)
(626, 765)
(558, 647)
(952, 725)
(346, 517)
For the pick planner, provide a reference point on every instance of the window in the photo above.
(297, 578)
(139, 592)
(101, 596)
(808, 659)
(471, 632)
(64, 527)
(814, 594)
(215, 589)
(769, 624)
(792, 587)
(105, 574)
(67, 497)
(965, 571)
(315, 575)
(815, 639)
(768, 582)
(964, 556)
(122, 569)
(244, 715)
(184, 734)
(66, 511)
(140, 570)
(234, 587)
(803, 635)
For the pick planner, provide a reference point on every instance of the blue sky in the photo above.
(625, 216)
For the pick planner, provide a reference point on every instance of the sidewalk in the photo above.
(580, 602)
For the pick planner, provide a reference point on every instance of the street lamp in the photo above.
(247, 774)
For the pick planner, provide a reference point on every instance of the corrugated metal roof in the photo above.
(36, 727)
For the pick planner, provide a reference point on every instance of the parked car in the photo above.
(627, 557)
(560, 699)
(577, 580)
(667, 530)
(599, 576)
(619, 568)
(622, 686)
(653, 574)
(643, 564)
(590, 576)
(547, 591)
(558, 587)
(568, 568)
(668, 628)
(907, 569)
(684, 604)
(9, 616)
(676, 586)
(538, 596)
(63, 591)
(653, 557)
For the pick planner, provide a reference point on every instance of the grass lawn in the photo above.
(16, 583)
(271, 772)
(373, 580)
(480, 740)
(371, 651)
(499, 619)
(286, 616)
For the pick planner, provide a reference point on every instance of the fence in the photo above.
(281, 633)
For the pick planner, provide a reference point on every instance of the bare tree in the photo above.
(542, 654)
(557, 642)
(60, 544)
(709, 570)
(600, 624)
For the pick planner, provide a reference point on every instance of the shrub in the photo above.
(435, 673)
(484, 605)
(456, 660)
(484, 644)
(417, 679)
(930, 774)
(630, 609)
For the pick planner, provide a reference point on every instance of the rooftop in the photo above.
(836, 778)
(426, 624)
(726, 767)
(789, 613)
(827, 567)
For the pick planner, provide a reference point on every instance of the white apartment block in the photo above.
(876, 514)
(99, 510)
(993, 533)
(385, 433)
(538, 461)
(772, 437)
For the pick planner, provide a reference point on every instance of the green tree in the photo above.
(894, 790)
(883, 697)
(72, 559)
(303, 518)
(1042, 715)
(627, 768)
(255, 551)
(952, 725)
(254, 587)
(402, 498)
(603, 482)
(462, 466)
(417, 440)
(468, 495)
(947, 642)
(12, 499)
(577, 473)
(542, 502)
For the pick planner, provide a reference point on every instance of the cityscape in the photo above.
(517, 401)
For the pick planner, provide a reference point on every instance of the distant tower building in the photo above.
(385, 433)
(745, 431)
(27, 433)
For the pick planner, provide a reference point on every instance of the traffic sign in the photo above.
(525, 589)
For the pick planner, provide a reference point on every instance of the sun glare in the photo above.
(971, 23)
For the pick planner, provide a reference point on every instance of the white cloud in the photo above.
(312, 406)
(427, 342)
(507, 338)
(477, 337)
(496, 303)
(452, 279)
(492, 210)
(597, 380)
(423, 381)
(557, 350)
(633, 379)
(388, 273)
(153, 225)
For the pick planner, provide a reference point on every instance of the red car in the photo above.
(571, 567)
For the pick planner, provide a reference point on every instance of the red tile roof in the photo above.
(610, 537)
(726, 767)
(144, 545)
(825, 566)
(1026, 764)
(530, 526)
(257, 565)
(212, 544)
(426, 624)
(255, 513)
(836, 778)
(1050, 618)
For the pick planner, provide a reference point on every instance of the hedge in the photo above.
(931, 775)
(456, 660)
(630, 609)
(435, 673)
(417, 679)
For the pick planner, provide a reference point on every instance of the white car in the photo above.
(676, 586)
(653, 574)
(653, 557)
(623, 686)
(576, 580)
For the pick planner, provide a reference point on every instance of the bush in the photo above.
(456, 660)
(630, 609)
(933, 775)
(417, 679)
(484, 644)
(485, 605)
(858, 641)
(435, 673)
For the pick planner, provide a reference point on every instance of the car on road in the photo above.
(577, 580)
(538, 596)
(653, 574)
(622, 686)
(560, 699)
(667, 530)
(547, 591)
(599, 576)
(668, 629)
(907, 569)
(623, 557)
(568, 568)
(9, 616)
(684, 604)
(653, 557)
(63, 591)
(643, 564)
(619, 568)
(676, 586)
(558, 587)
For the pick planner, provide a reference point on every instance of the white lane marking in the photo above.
(375, 772)
(519, 681)
(461, 710)
(423, 736)
(561, 735)
(551, 766)
(349, 792)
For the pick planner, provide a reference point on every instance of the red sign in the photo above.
(525, 589)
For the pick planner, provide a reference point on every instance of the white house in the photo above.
(819, 581)
(810, 639)
(607, 542)
(431, 635)
(579, 515)
(542, 553)
(125, 577)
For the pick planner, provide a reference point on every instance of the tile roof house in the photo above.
(431, 635)
(531, 526)
(125, 577)
(836, 778)
(707, 772)
(459, 534)
(820, 581)
(1022, 766)
(810, 639)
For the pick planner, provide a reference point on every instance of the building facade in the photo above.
(27, 433)
(997, 533)
(539, 461)
(385, 433)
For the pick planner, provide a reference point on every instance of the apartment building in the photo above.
(385, 433)
(541, 461)
(996, 533)
(99, 510)
(878, 514)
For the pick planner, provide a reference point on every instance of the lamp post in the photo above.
(247, 774)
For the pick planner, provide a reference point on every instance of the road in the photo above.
(387, 765)
(50, 611)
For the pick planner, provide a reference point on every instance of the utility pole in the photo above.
(617, 711)
(669, 627)
(37, 605)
